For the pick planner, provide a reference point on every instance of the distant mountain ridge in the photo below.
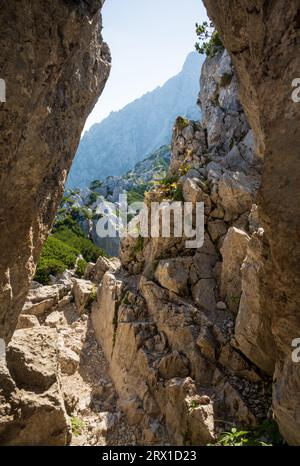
(80, 205)
(115, 145)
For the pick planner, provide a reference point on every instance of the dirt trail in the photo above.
(89, 393)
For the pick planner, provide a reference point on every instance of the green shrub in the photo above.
(266, 434)
(177, 194)
(55, 248)
(210, 42)
(92, 297)
(77, 425)
(70, 233)
(86, 213)
(169, 189)
(138, 247)
(184, 167)
(47, 267)
(95, 184)
(92, 198)
(169, 180)
(86, 247)
(80, 268)
(182, 122)
(136, 194)
(61, 249)
(56, 257)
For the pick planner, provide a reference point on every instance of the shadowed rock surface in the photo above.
(263, 39)
(55, 65)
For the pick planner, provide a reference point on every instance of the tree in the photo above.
(209, 40)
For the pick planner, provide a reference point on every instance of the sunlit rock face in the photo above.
(263, 40)
(55, 65)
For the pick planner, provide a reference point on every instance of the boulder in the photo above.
(237, 193)
(31, 357)
(27, 321)
(253, 328)
(207, 343)
(95, 272)
(204, 293)
(35, 412)
(186, 417)
(188, 133)
(173, 274)
(43, 293)
(39, 419)
(82, 290)
(193, 192)
(216, 229)
(234, 250)
(68, 360)
(55, 319)
(174, 365)
(41, 299)
(38, 309)
(104, 312)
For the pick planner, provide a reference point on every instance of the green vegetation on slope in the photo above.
(265, 435)
(70, 233)
(56, 257)
(61, 249)
(136, 194)
(168, 189)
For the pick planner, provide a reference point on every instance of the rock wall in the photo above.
(55, 65)
(32, 406)
(166, 319)
(263, 40)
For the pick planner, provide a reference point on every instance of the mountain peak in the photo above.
(116, 144)
(193, 60)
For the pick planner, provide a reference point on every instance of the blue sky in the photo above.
(149, 41)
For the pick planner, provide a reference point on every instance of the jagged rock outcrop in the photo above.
(55, 65)
(263, 40)
(166, 319)
(32, 406)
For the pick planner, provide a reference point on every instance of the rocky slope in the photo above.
(55, 388)
(169, 320)
(115, 145)
(55, 65)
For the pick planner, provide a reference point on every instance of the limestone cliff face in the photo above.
(263, 40)
(166, 319)
(55, 65)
